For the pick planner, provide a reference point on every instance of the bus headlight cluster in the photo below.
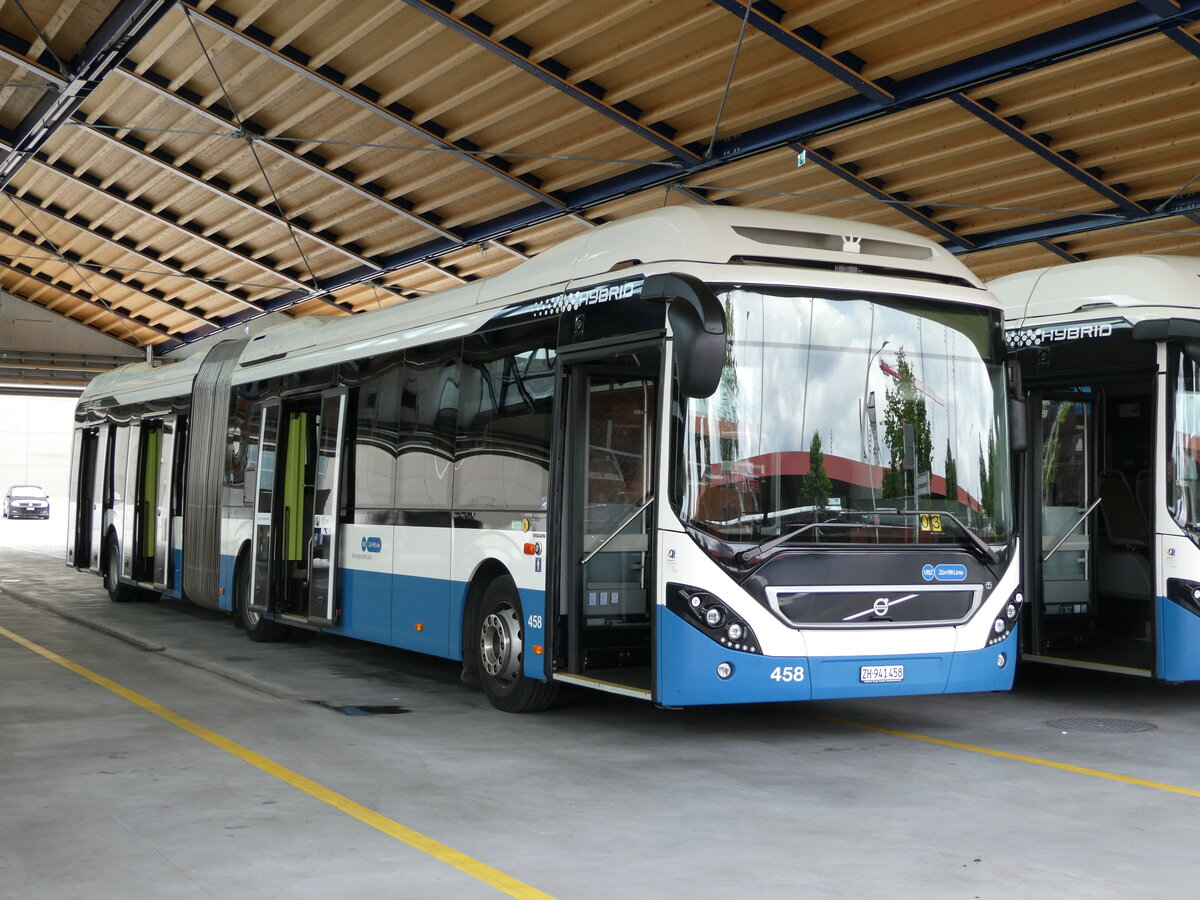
(1007, 620)
(1185, 593)
(712, 617)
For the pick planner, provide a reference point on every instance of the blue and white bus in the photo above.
(1109, 351)
(697, 456)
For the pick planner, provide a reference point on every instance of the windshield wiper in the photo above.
(767, 546)
(978, 543)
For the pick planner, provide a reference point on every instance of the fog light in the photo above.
(724, 670)
(735, 631)
(1011, 610)
(998, 626)
(714, 616)
(1002, 660)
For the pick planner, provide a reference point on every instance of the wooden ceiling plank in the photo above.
(97, 229)
(191, 233)
(428, 131)
(547, 69)
(303, 161)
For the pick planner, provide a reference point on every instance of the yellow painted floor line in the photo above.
(437, 850)
(1004, 754)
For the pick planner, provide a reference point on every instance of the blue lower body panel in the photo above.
(1178, 642)
(688, 660)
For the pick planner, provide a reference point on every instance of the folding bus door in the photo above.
(611, 465)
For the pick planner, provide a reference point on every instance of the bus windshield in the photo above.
(871, 416)
(1183, 466)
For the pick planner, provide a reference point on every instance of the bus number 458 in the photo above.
(788, 673)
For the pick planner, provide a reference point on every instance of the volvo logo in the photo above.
(880, 607)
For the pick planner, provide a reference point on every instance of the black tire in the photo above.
(258, 629)
(117, 592)
(498, 635)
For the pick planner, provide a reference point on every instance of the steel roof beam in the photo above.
(900, 202)
(192, 231)
(224, 118)
(1184, 39)
(554, 73)
(1163, 208)
(72, 259)
(16, 50)
(1059, 251)
(331, 79)
(172, 341)
(806, 42)
(983, 109)
(1012, 127)
(242, 198)
(104, 50)
(124, 243)
(1124, 24)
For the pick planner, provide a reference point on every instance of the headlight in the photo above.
(1005, 622)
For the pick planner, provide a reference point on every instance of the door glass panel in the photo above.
(1066, 491)
(618, 460)
(268, 440)
(323, 540)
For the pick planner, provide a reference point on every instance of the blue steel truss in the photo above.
(874, 100)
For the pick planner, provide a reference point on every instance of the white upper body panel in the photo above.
(767, 247)
(1134, 288)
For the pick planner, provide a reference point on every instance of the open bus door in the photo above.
(296, 508)
(152, 525)
(1091, 568)
(606, 599)
(84, 510)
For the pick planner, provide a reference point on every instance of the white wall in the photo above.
(35, 444)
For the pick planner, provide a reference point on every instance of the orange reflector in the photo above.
(221, 590)
(537, 649)
(530, 549)
(419, 627)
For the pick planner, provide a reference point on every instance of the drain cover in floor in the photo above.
(371, 710)
(1101, 726)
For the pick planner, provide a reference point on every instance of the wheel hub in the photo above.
(500, 644)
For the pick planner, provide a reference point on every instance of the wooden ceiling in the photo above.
(174, 168)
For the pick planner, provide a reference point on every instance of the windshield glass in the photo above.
(1183, 467)
(840, 408)
(33, 492)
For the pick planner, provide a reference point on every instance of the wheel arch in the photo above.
(485, 573)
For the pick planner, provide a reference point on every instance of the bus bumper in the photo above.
(690, 670)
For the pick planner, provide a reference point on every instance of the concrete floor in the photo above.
(599, 798)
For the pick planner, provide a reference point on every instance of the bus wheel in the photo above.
(117, 592)
(258, 629)
(500, 652)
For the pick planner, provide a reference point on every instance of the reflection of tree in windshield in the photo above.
(908, 438)
(817, 484)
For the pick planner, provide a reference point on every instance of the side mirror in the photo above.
(1018, 409)
(697, 322)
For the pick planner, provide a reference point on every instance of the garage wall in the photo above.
(35, 444)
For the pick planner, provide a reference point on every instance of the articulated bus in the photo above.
(695, 456)
(1109, 353)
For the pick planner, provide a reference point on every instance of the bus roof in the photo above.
(662, 237)
(1131, 287)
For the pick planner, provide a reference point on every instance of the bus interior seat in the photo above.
(724, 503)
(1123, 569)
(1123, 520)
(1143, 489)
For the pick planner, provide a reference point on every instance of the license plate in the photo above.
(877, 674)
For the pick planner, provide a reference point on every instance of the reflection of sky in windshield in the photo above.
(800, 366)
